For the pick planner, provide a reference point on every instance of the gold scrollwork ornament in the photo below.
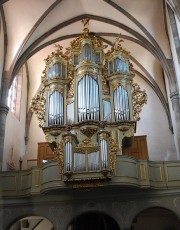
(113, 149)
(59, 156)
(38, 106)
(139, 98)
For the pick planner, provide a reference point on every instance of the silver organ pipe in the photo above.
(86, 52)
(68, 156)
(93, 161)
(63, 71)
(53, 71)
(88, 99)
(56, 108)
(71, 155)
(104, 154)
(79, 162)
(68, 148)
(121, 104)
(67, 159)
(57, 70)
(83, 98)
(107, 110)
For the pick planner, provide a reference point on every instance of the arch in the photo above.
(164, 217)
(100, 221)
(43, 16)
(156, 49)
(31, 221)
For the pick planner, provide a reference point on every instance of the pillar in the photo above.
(175, 99)
(3, 114)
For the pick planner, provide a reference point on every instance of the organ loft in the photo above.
(88, 106)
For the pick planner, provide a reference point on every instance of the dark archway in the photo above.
(93, 221)
(156, 219)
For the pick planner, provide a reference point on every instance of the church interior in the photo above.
(90, 114)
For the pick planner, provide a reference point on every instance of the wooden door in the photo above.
(138, 149)
(44, 152)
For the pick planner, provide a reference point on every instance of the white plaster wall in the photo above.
(36, 65)
(14, 144)
(154, 124)
(36, 135)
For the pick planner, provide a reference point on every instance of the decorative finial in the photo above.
(117, 43)
(85, 22)
(58, 47)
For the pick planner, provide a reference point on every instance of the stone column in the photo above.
(3, 114)
(175, 99)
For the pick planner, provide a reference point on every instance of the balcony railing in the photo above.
(128, 172)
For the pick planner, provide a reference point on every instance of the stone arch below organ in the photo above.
(32, 222)
(156, 218)
(93, 221)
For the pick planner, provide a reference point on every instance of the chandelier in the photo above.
(87, 104)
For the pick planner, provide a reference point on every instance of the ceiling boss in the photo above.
(87, 105)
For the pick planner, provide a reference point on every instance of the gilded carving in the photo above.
(59, 155)
(68, 139)
(127, 131)
(113, 149)
(86, 146)
(91, 183)
(38, 106)
(88, 131)
(139, 98)
(70, 93)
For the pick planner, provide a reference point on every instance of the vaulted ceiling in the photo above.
(32, 27)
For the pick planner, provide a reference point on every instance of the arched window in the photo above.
(86, 52)
(14, 94)
(121, 104)
(56, 109)
(57, 70)
(118, 65)
(88, 99)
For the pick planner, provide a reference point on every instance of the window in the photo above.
(14, 95)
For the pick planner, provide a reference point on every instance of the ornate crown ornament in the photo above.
(86, 91)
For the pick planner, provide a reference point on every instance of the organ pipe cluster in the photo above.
(87, 103)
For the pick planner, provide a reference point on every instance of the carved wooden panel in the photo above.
(138, 149)
(44, 152)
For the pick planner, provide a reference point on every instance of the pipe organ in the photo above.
(87, 105)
